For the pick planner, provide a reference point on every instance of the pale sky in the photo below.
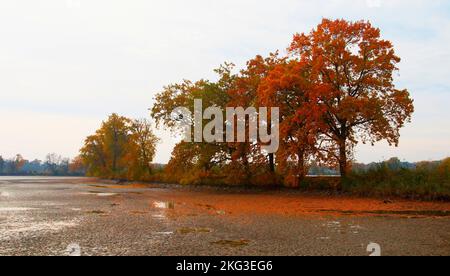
(65, 65)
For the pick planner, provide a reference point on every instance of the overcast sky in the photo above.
(66, 64)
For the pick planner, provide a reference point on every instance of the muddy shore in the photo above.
(44, 216)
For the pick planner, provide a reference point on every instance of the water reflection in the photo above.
(106, 194)
(164, 233)
(164, 205)
(5, 194)
(159, 216)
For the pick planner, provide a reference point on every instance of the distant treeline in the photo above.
(422, 180)
(425, 180)
(53, 165)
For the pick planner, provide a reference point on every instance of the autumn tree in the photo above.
(76, 166)
(116, 131)
(190, 163)
(121, 149)
(288, 87)
(103, 152)
(444, 169)
(360, 102)
(334, 89)
(142, 149)
(202, 156)
(94, 156)
(244, 93)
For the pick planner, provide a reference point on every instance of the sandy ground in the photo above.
(56, 216)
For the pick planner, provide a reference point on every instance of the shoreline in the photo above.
(332, 193)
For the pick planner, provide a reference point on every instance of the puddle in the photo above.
(96, 212)
(159, 216)
(5, 194)
(338, 227)
(106, 194)
(44, 226)
(163, 233)
(355, 229)
(188, 230)
(22, 227)
(231, 243)
(99, 194)
(164, 205)
(51, 204)
(16, 209)
(334, 226)
(97, 186)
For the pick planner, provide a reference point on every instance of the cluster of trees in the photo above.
(393, 163)
(441, 167)
(334, 89)
(54, 165)
(121, 149)
(425, 180)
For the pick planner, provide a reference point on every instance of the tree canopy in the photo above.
(121, 149)
(334, 88)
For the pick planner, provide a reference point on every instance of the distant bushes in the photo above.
(423, 180)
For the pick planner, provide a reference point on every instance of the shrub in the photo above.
(426, 180)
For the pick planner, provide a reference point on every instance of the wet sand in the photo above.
(43, 216)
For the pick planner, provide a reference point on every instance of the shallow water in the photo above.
(21, 222)
(13, 228)
(164, 205)
(40, 215)
(37, 178)
(16, 209)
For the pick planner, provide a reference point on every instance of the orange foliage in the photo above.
(334, 89)
(354, 68)
(121, 149)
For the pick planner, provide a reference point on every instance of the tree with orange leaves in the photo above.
(354, 67)
(76, 166)
(288, 87)
(244, 93)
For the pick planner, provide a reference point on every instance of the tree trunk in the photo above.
(301, 173)
(271, 162)
(248, 173)
(343, 163)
